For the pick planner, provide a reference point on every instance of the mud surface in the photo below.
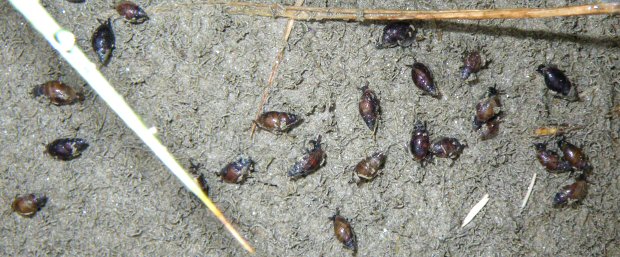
(197, 74)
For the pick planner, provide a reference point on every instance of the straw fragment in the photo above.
(475, 210)
(529, 192)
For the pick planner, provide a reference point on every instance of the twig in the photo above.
(321, 13)
(64, 42)
(475, 210)
(274, 69)
(529, 192)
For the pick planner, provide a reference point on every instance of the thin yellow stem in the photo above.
(220, 216)
(321, 13)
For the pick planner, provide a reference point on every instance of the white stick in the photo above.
(475, 210)
(64, 42)
(529, 192)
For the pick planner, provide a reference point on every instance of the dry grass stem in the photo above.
(321, 13)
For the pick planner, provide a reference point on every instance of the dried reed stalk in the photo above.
(321, 13)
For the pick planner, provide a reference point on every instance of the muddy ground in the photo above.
(197, 74)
